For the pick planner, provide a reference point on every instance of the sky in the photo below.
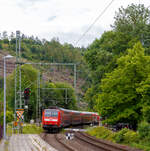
(66, 20)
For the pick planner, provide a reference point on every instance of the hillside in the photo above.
(50, 52)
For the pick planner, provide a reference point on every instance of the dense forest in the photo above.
(119, 65)
(116, 66)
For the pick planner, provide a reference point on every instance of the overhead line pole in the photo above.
(66, 64)
(75, 76)
(20, 74)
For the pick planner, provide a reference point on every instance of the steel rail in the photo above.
(62, 143)
(106, 146)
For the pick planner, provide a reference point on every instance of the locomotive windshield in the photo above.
(51, 113)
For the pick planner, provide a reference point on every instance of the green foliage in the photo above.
(9, 117)
(130, 137)
(90, 98)
(64, 97)
(60, 94)
(126, 136)
(101, 132)
(28, 79)
(132, 20)
(119, 137)
(32, 129)
(144, 130)
(120, 101)
(131, 25)
(36, 50)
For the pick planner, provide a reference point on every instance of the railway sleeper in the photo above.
(98, 143)
(64, 144)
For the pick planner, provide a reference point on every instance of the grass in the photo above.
(32, 129)
(27, 129)
(125, 136)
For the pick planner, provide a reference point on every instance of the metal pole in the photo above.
(66, 96)
(15, 90)
(16, 66)
(39, 99)
(20, 74)
(4, 99)
(75, 76)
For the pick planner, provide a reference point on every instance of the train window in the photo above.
(54, 114)
(49, 113)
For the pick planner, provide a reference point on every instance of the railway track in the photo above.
(62, 143)
(100, 144)
(82, 142)
(55, 140)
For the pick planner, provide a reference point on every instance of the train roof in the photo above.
(73, 111)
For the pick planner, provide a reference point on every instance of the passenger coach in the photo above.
(55, 117)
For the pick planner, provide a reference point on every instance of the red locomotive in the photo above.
(55, 118)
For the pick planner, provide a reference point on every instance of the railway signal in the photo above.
(26, 95)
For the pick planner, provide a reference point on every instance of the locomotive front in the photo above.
(51, 119)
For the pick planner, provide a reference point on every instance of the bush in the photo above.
(101, 132)
(144, 130)
(126, 136)
(130, 137)
(119, 136)
(146, 113)
(9, 117)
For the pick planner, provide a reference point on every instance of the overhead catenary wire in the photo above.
(94, 21)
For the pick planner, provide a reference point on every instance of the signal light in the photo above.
(26, 95)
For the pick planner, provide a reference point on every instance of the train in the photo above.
(57, 118)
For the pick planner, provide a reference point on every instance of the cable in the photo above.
(94, 21)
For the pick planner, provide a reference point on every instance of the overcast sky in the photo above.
(65, 19)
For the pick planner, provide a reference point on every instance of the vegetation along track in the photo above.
(101, 144)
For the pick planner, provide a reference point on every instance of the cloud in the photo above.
(66, 19)
(51, 18)
(28, 3)
(73, 36)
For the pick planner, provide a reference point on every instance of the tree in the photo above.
(9, 117)
(131, 25)
(120, 99)
(59, 94)
(12, 36)
(28, 80)
(133, 21)
(5, 35)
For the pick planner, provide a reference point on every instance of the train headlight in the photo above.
(55, 120)
(46, 119)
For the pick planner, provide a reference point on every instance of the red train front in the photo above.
(51, 118)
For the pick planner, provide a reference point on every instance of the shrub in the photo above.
(130, 137)
(144, 130)
(119, 136)
(101, 132)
